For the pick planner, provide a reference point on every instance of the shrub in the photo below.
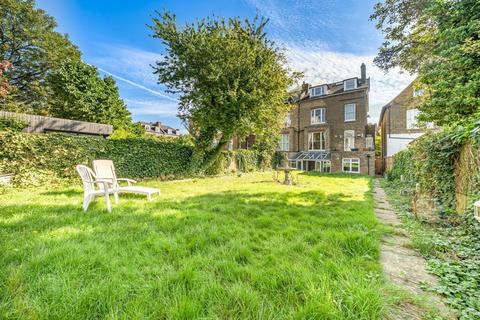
(43, 158)
(11, 124)
(35, 158)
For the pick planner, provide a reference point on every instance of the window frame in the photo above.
(322, 141)
(352, 136)
(370, 145)
(322, 116)
(284, 144)
(287, 121)
(350, 162)
(323, 91)
(418, 92)
(355, 84)
(411, 119)
(354, 112)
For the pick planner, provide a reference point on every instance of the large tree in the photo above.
(230, 77)
(29, 41)
(440, 41)
(78, 92)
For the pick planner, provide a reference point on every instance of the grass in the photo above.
(215, 248)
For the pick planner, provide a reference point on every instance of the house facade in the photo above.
(398, 125)
(328, 130)
(159, 129)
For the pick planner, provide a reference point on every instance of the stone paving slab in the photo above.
(402, 265)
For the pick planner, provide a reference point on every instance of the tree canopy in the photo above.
(440, 41)
(230, 77)
(78, 92)
(28, 40)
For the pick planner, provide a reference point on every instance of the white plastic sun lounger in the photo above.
(89, 192)
(105, 170)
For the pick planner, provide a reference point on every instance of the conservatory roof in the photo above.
(311, 155)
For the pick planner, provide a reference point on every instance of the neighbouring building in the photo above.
(41, 124)
(328, 130)
(159, 129)
(398, 125)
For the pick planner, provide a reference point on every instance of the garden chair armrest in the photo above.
(129, 181)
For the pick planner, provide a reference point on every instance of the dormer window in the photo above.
(318, 91)
(147, 127)
(157, 129)
(350, 84)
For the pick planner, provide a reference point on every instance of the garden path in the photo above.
(403, 266)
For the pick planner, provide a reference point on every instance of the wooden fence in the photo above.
(41, 124)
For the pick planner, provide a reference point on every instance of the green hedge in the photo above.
(430, 162)
(35, 158)
(44, 158)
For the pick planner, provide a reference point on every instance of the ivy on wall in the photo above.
(430, 162)
(43, 158)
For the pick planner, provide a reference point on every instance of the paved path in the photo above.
(403, 266)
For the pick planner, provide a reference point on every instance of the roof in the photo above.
(157, 124)
(311, 155)
(335, 88)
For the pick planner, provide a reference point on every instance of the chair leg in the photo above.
(86, 202)
(149, 197)
(115, 197)
(107, 200)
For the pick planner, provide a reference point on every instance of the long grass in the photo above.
(215, 248)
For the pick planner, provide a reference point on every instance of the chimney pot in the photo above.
(363, 72)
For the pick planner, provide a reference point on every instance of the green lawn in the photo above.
(215, 248)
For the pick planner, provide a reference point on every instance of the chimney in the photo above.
(305, 87)
(363, 73)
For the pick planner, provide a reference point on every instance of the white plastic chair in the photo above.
(105, 170)
(89, 192)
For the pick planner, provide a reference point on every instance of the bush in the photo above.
(11, 124)
(36, 158)
(430, 162)
(46, 158)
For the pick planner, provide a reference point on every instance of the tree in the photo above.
(231, 79)
(29, 41)
(78, 92)
(439, 40)
(4, 86)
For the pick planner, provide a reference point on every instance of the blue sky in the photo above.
(325, 39)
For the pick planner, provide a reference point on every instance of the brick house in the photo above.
(159, 129)
(398, 125)
(328, 129)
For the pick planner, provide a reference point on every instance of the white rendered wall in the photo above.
(399, 142)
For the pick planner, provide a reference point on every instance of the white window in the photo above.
(323, 166)
(349, 140)
(369, 142)
(283, 144)
(318, 91)
(317, 116)
(326, 166)
(350, 112)
(147, 127)
(157, 129)
(418, 92)
(351, 165)
(412, 115)
(287, 122)
(349, 84)
(316, 141)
